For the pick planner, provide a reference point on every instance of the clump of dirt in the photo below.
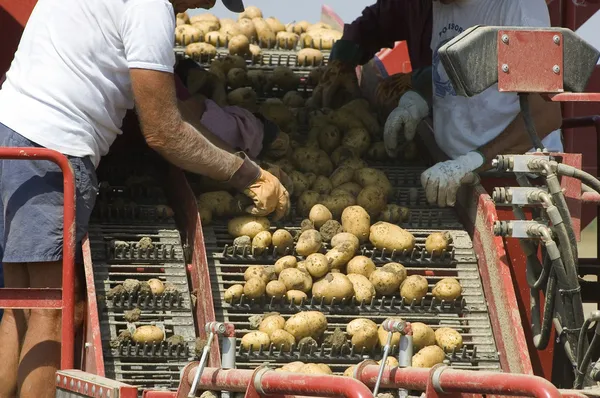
(255, 321)
(123, 337)
(145, 243)
(175, 339)
(132, 315)
(115, 291)
(145, 288)
(131, 285)
(330, 229)
(337, 340)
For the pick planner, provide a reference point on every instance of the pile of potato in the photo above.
(202, 34)
(152, 286)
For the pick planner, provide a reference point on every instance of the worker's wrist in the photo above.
(246, 174)
(474, 160)
(346, 51)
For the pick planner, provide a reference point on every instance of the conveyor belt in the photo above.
(469, 316)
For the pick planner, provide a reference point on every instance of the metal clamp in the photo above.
(212, 328)
(516, 195)
(516, 229)
(519, 163)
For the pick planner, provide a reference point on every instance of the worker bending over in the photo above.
(471, 131)
(79, 66)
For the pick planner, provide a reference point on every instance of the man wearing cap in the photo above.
(78, 68)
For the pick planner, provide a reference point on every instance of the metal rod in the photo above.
(202, 364)
(67, 349)
(386, 351)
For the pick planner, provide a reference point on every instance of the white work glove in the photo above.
(412, 108)
(442, 181)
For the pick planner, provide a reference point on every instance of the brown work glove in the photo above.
(263, 188)
(389, 91)
(337, 85)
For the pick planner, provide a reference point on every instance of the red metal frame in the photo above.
(77, 383)
(51, 298)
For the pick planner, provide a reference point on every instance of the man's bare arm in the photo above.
(514, 139)
(168, 134)
(191, 111)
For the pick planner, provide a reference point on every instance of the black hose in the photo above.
(529, 124)
(582, 338)
(541, 335)
(586, 178)
(581, 369)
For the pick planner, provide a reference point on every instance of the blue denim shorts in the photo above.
(31, 204)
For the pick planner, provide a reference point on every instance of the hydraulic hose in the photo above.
(586, 178)
(587, 358)
(541, 334)
(533, 265)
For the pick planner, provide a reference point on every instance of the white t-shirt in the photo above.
(465, 124)
(68, 87)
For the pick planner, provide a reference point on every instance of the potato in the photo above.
(315, 368)
(253, 341)
(394, 214)
(217, 39)
(180, 21)
(247, 225)
(257, 271)
(148, 334)
(230, 31)
(312, 160)
(244, 97)
(329, 137)
(247, 28)
(220, 203)
(271, 323)
(334, 286)
(276, 289)
(265, 35)
(345, 237)
(255, 288)
(284, 263)
(341, 175)
(261, 242)
(282, 240)
(286, 40)
(285, 78)
(296, 296)
(186, 34)
(250, 12)
(205, 216)
(349, 372)
(156, 286)
(227, 21)
(363, 288)
(322, 39)
(309, 242)
(204, 17)
(386, 283)
(391, 237)
(351, 187)
(275, 25)
(309, 57)
(414, 288)
(361, 265)
(390, 362)
(428, 357)
(360, 108)
(396, 268)
(382, 335)
(293, 99)
(338, 203)
(318, 25)
(232, 61)
(306, 324)
(237, 77)
(295, 279)
(201, 51)
(339, 255)
(354, 162)
(239, 45)
(367, 176)
(282, 340)
(317, 265)
(357, 139)
(447, 289)
(293, 367)
(356, 221)
(233, 293)
(373, 199)
(437, 242)
(363, 333)
(184, 16)
(448, 339)
(423, 335)
(306, 201)
(279, 114)
(300, 27)
(322, 185)
(377, 151)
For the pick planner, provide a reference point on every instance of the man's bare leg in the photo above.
(40, 355)
(12, 332)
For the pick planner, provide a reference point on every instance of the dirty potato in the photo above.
(414, 288)
(386, 283)
(339, 255)
(296, 296)
(423, 335)
(356, 221)
(306, 324)
(334, 286)
(271, 323)
(309, 242)
(253, 341)
(428, 357)
(437, 243)
(284, 263)
(319, 215)
(447, 289)
(373, 199)
(255, 288)
(233, 293)
(361, 265)
(448, 339)
(363, 333)
(364, 291)
(261, 242)
(282, 340)
(317, 265)
(388, 236)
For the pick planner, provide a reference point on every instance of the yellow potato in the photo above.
(276, 289)
(275, 25)
(356, 221)
(319, 215)
(186, 34)
(448, 339)
(255, 288)
(217, 39)
(363, 333)
(386, 283)
(287, 40)
(414, 288)
(237, 77)
(437, 243)
(219, 203)
(156, 286)
(309, 242)
(201, 51)
(233, 293)
(282, 340)
(257, 271)
(148, 334)
(293, 367)
(338, 203)
(244, 97)
(295, 279)
(204, 17)
(253, 341)
(361, 265)
(390, 362)
(284, 263)
(317, 265)
(250, 12)
(315, 368)
(306, 201)
(334, 286)
(322, 185)
(282, 241)
(246, 27)
(394, 214)
(391, 237)
(345, 237)
(271, 323)
(363, 288)
(447, 289)
(342, 175)
(261, 242)
(428, 357)
(306, 324)
(239, 45)
(349, 372)
(373, 199)
(230, 31)
(309, 57)
(357, 139)
(382, 335)
(296, 296)
(352, 188)
(339, 255)
(397, 268)
(423, 335)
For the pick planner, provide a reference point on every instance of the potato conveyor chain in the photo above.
(469, 315)
(127, 213)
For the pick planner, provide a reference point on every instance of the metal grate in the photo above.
(469, 316)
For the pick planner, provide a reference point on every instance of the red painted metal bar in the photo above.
(590, 197)
(448, 380)
(272, 382)
(574, 97)
(68, 276)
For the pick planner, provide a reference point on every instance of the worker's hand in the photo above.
(442, 181)
(403, 121)
(268, 195)
(281, 175)
(338, 84)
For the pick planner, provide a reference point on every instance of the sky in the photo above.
(289, 10)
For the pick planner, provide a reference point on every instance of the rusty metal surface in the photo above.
(516, 72)
(75, 383)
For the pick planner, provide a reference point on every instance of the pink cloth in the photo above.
(236, 126)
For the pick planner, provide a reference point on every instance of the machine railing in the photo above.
(63, 299)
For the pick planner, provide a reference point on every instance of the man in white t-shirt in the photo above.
(472, 131)
(78, 68)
